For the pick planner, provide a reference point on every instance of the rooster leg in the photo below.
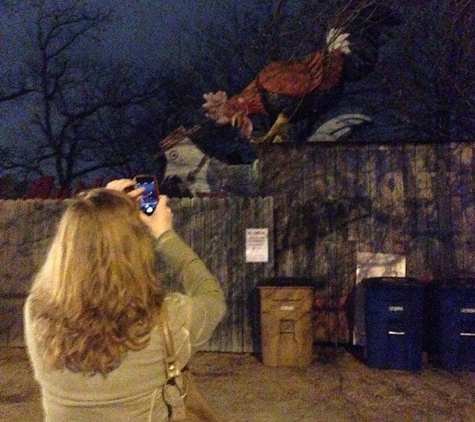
(277, 133)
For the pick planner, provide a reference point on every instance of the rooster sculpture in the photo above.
(290, 91)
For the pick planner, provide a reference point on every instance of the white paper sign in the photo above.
(379, 265)
(257, 245)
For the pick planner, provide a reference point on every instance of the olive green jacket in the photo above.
(133, 391)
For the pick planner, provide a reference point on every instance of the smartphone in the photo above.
(149, 200)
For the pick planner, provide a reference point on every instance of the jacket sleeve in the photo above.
(202, 307)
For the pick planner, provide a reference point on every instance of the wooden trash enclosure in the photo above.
(286, 325)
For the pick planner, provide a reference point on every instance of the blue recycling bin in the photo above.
(451, 324)
(394, 313)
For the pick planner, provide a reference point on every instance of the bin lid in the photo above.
(455, 283)
(402, 282)
(293, 282)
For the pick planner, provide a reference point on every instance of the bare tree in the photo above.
(85, 116)
(430, 74)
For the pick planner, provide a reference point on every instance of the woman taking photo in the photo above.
(92, 317)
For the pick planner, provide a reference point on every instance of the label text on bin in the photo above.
(396, 308)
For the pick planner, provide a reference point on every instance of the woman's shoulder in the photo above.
(178, 308)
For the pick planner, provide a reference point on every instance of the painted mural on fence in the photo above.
(287, 99)
(413, 199)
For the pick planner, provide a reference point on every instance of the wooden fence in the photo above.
(412, 199)
(323, 204)
(215, 228)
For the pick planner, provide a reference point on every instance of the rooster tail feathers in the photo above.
(337, 40)
(364, 21)
(362, 16)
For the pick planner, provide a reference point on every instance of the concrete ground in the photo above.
(337, 387)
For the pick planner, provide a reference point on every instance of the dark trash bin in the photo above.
(394, 322)
(451, 324)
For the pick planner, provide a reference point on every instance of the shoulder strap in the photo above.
(175, 389)
(171, 359)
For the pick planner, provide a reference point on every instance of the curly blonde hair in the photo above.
(97, 294)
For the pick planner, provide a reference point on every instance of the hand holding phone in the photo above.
(162, 219)
(149, 200)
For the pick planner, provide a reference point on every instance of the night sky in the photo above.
(147, 33)
(154, 31)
